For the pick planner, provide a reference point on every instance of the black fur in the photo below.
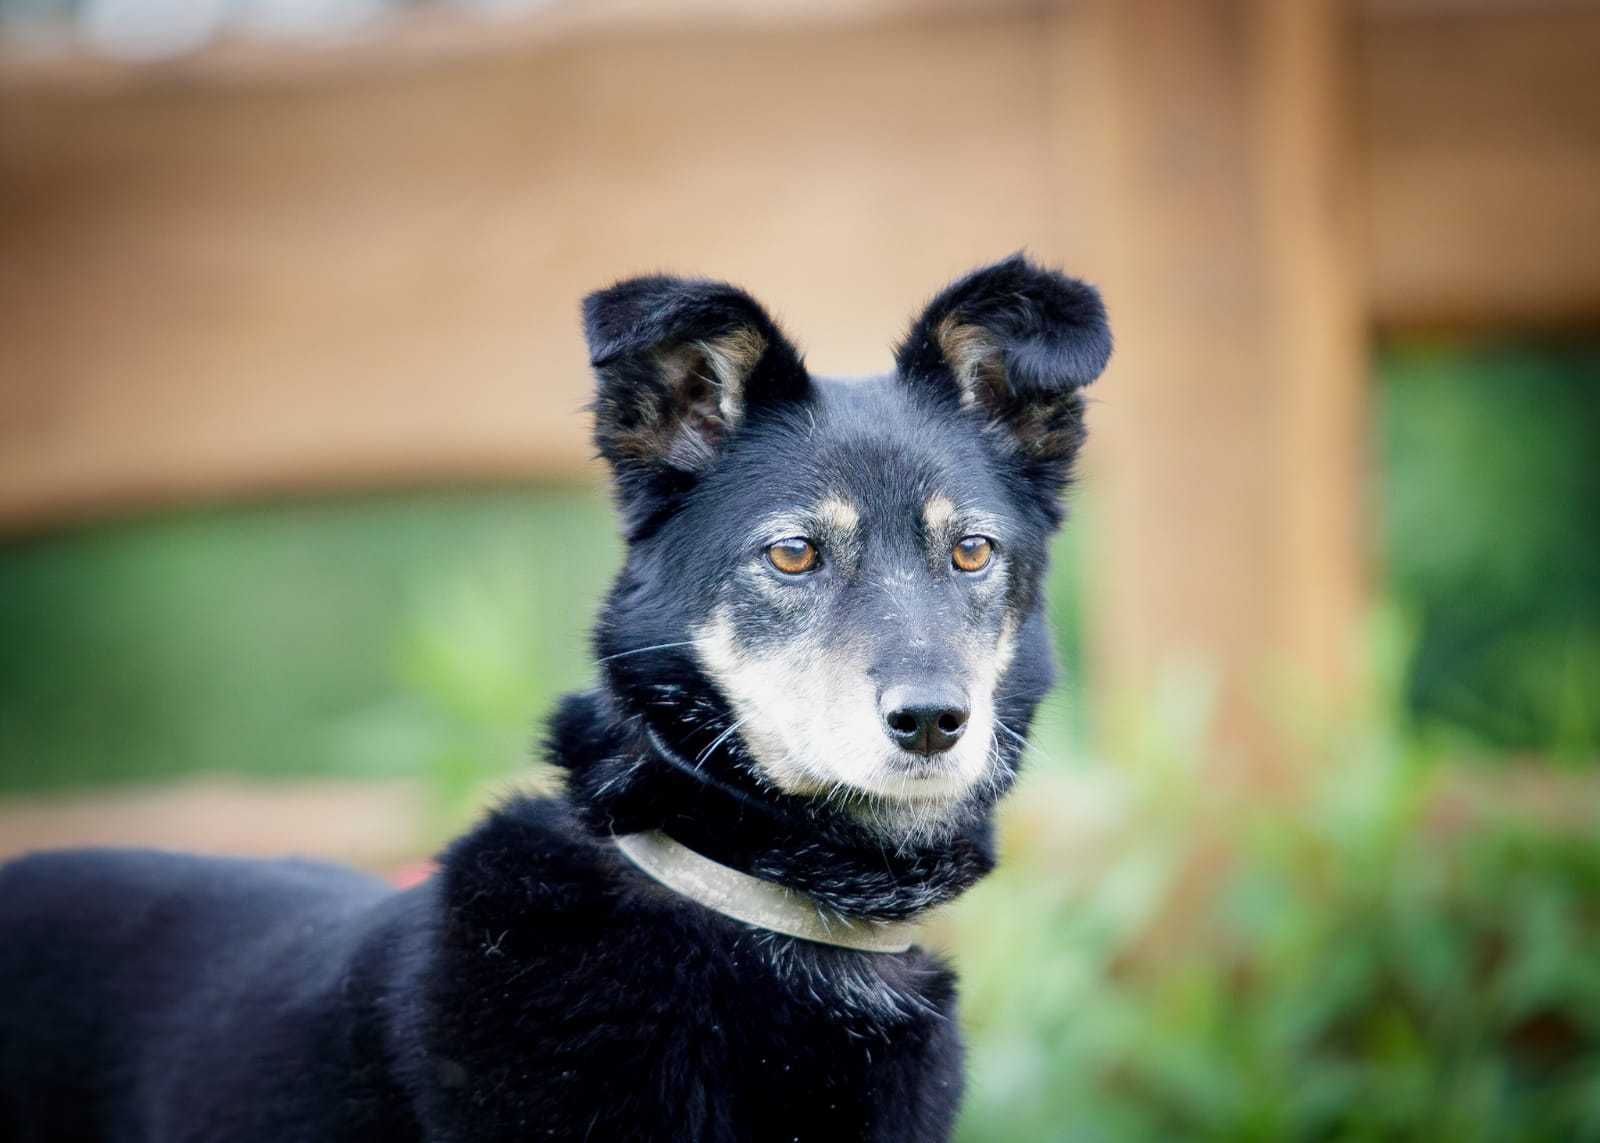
(540, 987)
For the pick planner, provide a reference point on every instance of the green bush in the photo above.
(1381, 957)
(294, 639)
(1487, 501)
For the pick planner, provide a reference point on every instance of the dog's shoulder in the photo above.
(530, 853)
(528, 884)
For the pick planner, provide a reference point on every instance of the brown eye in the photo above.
(793, 556)
(972, 553)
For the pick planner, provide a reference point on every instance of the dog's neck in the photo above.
(623, 778)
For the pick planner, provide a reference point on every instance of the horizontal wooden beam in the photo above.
(378, 825)
(407, 36)
(1482, 130)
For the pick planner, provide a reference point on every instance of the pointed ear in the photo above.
(1017, 343)
(679, 364)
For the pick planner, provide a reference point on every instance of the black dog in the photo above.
(818, 666)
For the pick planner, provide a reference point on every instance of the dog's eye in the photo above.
(793, 556)
(972, 553)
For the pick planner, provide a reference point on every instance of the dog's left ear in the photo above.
(1017, 343)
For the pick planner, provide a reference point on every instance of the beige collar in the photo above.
(765, 904)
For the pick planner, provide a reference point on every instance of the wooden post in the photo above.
(1228, 433)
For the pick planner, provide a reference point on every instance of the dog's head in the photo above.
(832, 588)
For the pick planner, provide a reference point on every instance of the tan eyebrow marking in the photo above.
(839, 514)
(936, 513)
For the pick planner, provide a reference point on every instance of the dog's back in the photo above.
(140, 984)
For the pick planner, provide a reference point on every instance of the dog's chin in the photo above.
(917, 811)
(915, 780)
(902, 795)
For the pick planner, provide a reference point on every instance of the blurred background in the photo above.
(300, 537)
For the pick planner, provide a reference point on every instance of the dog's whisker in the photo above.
(645, 650)
(1011, 732)
(718, 741)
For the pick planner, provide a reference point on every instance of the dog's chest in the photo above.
(875, 994)
(760, 1038)
(568, 998)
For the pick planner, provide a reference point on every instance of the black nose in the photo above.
(923, 721)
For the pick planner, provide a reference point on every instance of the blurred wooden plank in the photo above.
(1315, 214)
(224, 289)
(1228, 429)
(54, 56)
(1483, 134)
(1390, 8)
(374, 824)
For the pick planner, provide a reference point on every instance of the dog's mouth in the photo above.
(919, 766)
(917, 778)
(920, 777)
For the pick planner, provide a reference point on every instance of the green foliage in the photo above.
(386, 635)
(1489, 494)
(1163, 957)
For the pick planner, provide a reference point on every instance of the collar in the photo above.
(764, 904)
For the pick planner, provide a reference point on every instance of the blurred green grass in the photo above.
(297, 639)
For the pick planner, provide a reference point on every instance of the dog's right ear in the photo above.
(1015, 343)
(679, 364)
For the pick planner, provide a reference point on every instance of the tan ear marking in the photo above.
(1043, 426)
(973, 356)
(733, 357)
(703, 398)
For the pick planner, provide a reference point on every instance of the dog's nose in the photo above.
(925, 722)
